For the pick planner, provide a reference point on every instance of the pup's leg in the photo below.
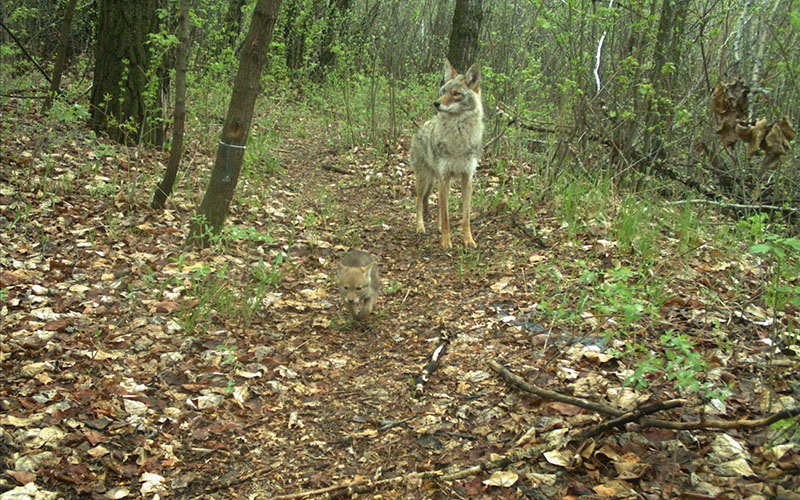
(466, 203)
(444, 220)
(369, 305)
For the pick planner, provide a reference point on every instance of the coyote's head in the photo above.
(354, 284)
(460, 93)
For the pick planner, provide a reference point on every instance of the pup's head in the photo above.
(354, 283)
(459, 92)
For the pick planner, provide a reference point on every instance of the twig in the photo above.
(646, 422)
(223, 483)
(631, 416)
(736, 205)
(518, 382)
(527, 232)
(16, 40)
(338, 170)
(311, 493)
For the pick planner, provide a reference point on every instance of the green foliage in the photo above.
(782, 256)
(269, 274)
(635, 228)
(628, 297)
(679, 362)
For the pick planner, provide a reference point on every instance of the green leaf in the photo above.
(760, 248)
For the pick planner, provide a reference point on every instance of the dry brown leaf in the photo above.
(729, 104)
(752, 134)
(776, 144)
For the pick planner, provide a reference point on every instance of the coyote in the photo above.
(358, 283)
(449, 145)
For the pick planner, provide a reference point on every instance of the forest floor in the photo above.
(133, 367)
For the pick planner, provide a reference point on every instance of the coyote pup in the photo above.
(449, 145)
(359, 283)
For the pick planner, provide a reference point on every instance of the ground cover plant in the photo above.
(608, 337)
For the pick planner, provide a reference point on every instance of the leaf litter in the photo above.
(135, 368)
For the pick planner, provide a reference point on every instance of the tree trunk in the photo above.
(123, 65)
(61, 54)
(217, 199)
(295, 31)
(165, 187)
(233, 20)
(464, 33)
(333, 28)
(658, 116)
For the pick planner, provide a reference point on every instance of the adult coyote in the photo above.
(449, 145)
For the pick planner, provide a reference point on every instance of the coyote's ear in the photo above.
(366, 268)
(449, 71)
(473, 76)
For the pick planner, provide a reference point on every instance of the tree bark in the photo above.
(332, 30)
(123, 65)
(213, 209)
(659, 117)
(233, 20)
(165, 187)
(295, 29)
(61, 54)
(464, 33)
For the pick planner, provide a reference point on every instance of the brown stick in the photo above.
(327, 489)
(647, 422)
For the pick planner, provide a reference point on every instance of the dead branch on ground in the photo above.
(703, 423)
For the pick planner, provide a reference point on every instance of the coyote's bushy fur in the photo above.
(359, 282)
(450, 145)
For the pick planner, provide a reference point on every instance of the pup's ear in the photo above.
(473, 76)
(449, 71)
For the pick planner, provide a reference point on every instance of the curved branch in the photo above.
(647, 422)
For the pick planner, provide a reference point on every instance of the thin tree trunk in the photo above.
(331, 31)
(213, 209)
(294, 34)
(61, 54)
(164, 189)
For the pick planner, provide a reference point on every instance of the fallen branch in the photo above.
(703, 423)
(231, 479)
(736, 205)
(512, 120)
(631, 416)
(527, 232)
(338, 170)
(321, 491)
(518, 382)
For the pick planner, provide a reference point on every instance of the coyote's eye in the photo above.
(457, 95)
